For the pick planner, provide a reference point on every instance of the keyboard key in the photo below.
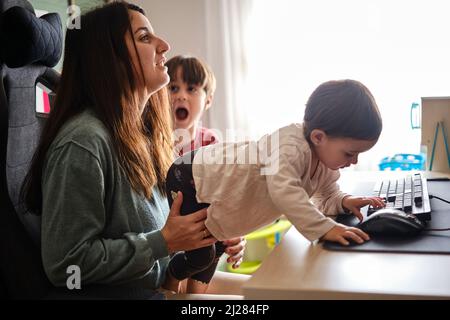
(409, 195)
(418, 198)
(370, 210)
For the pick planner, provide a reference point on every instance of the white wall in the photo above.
(181, 23)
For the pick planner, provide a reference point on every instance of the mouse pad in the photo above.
(425, 242)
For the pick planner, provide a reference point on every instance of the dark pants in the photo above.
(198, 264)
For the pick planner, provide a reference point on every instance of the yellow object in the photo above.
(281, 225)
(259, 244)
(246, 267)
(262, 241)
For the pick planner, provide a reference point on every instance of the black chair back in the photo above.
(30, 47)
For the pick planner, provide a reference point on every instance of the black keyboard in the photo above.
(408, 194)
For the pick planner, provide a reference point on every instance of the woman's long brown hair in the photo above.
(98, 74)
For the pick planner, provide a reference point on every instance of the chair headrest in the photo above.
(6, 4)
(28, 39)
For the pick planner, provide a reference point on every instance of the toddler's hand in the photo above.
(341, 233)
(235, 249)
(353, 204)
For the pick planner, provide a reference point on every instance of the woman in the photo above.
(98, 174)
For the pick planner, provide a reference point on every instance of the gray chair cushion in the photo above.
(22, 273)
(6, 4)
(29, 39)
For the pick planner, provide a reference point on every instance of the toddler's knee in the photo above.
(201, 258)
(171, 172)
(220, 248)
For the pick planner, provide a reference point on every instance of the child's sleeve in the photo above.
(209, 137)
(288, 195)
(328, 198)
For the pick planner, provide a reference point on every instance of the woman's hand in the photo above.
(353, 204)
(186, 232)
(235, 249)
(341, 233)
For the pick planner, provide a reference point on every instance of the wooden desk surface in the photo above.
(299, 269)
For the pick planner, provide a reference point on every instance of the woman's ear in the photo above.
(318, 137)
(208, 102)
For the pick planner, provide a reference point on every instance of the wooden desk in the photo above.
(299, 269)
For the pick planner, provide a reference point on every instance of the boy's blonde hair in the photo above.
(195, 72)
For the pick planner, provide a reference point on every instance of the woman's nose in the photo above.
(355, 159)
(163, 46)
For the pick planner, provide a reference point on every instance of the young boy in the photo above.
(192, 85)
(191, 89)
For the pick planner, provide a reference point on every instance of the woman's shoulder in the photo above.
(84, 130)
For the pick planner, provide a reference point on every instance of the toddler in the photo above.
(292, 172)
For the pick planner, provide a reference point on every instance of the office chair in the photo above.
(30, 47)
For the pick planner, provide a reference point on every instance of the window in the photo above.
(398, 49)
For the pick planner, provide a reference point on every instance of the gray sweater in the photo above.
(91, 216)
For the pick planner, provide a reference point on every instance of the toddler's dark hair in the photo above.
(343, 109)
(195, 72)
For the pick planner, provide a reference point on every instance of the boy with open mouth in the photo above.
(192, 85)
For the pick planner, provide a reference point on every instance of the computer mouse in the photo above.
(392, 222)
